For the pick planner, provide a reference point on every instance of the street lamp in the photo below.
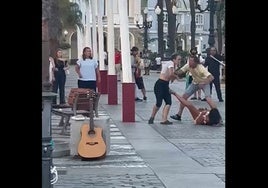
(163, 17)
(144, 23)
(65, 34)
(211, 6)
(160, 31)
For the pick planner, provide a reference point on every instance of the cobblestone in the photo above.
(110, 181)
(204, 146)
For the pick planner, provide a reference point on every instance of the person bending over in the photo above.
(201, 80)
(161, 88)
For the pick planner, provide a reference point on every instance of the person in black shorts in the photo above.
(161, 88)
(137, 73)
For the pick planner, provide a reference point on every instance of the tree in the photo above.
(172, 28)
(61, 14)
(193, 24)
(54, 26)
(70, 15)
(171, 25)
(220, 14)
(45, 45)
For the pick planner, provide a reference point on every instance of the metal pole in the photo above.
(160, 29)
(47, 148)
(47, 97)
(211, 39)
(145, 25)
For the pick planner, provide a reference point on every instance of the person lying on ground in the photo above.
(201, 116)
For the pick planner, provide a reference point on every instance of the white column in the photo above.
(70, 42)
(125, 46)
(136, 6)
(200, 45)
(79, 43)
(88, 27)
(100, 35)
(83, 34)
(183, 44)
(110, 35)
(94, 29)
(131, 8)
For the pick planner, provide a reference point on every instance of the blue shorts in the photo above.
(192, 88)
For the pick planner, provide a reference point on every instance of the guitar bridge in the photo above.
(91, 143)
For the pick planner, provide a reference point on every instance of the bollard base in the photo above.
(112, 89)
(128, 102)
(102, 87)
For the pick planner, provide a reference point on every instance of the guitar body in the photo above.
(91, 144)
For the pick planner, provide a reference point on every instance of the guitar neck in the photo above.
(91, 114)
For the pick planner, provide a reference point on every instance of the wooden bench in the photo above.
(78, 104)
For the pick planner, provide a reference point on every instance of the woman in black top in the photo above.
(61, 66)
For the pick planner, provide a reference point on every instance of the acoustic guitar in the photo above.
(91, 144)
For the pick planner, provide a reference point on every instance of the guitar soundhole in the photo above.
(91, 132)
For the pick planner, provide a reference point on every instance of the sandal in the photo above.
(166, 122)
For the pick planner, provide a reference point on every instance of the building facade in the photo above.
(79, 39)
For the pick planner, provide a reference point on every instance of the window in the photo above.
(199, 21)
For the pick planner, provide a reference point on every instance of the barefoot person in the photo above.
(201, 116)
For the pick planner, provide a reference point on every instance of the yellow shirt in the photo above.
(199, 73)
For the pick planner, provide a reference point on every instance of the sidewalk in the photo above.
(172, 156)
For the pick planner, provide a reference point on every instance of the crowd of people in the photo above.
(200, 74)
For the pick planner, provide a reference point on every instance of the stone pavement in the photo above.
(141, 155)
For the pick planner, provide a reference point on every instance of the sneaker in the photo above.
(204, 99)
(151, 120)
(145, 98)
(176, 117)
(220, 100)
(166, 122)
(193, 98)
(138, 99)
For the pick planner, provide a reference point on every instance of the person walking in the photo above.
(201, 80)
(136, 65)
(87, 69)
(147, 64)
(60, 68)
(158, 62)
(214, 68)
(117, 61)
(161, 88)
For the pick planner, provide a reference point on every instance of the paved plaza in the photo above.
(181, 155)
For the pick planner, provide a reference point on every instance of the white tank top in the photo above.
(166, 65)
(88, 69)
